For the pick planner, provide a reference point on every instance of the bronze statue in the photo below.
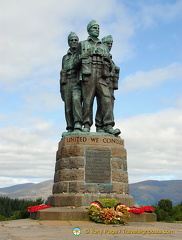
(70, 88)
(112, 82)
(94, 66)
(88, 72)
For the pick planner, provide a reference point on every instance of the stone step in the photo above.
(81, 213)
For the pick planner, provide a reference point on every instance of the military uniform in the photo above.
(112, 82)
(94, 68)
(70, 91)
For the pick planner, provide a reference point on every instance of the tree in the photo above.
(166, 205)
(16, 208)
(166, 212)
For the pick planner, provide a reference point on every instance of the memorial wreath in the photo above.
(108, 211)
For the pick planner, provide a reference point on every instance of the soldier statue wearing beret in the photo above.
(70, 88)
(94, 67)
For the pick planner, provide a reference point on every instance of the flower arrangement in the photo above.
(37, 207)
(109, 211)
(139, 210)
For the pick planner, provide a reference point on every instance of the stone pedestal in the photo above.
(81, 213)
(88, 167)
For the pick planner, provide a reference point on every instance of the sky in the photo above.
(148, 107)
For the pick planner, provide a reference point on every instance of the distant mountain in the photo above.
(29, 191)
(145, 192)
(14, 188)
(151, 191)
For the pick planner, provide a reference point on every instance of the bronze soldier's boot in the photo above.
(86, 128)
(77, 127)
(109, 129)
(100, 129)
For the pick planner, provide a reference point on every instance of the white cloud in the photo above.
(27, 35)
(153, 142)
(28, 151)
(152, 13)
(179, 103)
(10, 181)
(145, 80)
(34, 34)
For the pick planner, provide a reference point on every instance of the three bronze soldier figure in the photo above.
(88, 72)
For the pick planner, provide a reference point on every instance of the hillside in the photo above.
(151, 191)
(145, 192)
(30, 191)
(15, 188)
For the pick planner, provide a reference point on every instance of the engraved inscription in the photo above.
(94, 140)
(98, 166)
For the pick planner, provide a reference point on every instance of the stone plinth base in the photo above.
(81, 213)
(91, 164)
(88, 167)
(78, 200)
(61, 213)
(143, 217)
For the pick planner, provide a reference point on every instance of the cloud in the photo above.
(28, 151)
(34, 35)
(154, 12)
(179, 104)
(41, 95)
(27, 39)
(153, 78)
(10, 181)
(153, 142)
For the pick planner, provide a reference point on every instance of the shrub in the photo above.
(2, 218)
